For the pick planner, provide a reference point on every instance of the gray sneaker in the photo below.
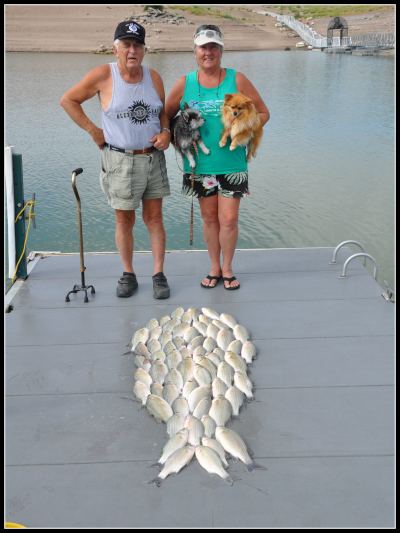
(160, 286)
(126, 285)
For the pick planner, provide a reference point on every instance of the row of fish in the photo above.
(192, 375)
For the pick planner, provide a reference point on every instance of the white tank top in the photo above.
(132, 118)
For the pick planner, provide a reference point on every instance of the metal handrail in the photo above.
(359, 255)
(333, 262)
(386, 40)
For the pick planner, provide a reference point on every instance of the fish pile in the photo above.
(192, 375)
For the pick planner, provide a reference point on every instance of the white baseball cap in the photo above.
(208, 33)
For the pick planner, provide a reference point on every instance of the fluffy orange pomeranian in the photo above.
(241, 123)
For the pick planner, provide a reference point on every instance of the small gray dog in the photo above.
(185, 131)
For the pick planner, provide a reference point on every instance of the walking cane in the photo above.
(82, 287)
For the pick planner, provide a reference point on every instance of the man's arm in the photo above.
(161, 140)
(84, 90)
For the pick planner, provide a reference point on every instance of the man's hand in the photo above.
(161, 140)
(97, 135)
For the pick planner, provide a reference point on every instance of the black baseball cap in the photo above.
(130, 29)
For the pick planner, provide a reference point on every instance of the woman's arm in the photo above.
(172, 104)
(245, 87)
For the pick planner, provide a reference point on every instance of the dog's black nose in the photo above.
(235, 113)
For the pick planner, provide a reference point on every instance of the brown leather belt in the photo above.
(122, 150)
(144, 151)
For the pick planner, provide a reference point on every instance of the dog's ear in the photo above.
(185, 105)
(247, 101)
(227, 97)
(185, 116)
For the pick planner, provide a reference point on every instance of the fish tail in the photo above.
(251, 467)
(230, 479)
(157, 480)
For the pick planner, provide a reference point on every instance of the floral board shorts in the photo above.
(234, 185)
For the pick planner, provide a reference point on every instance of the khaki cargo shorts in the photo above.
(127, 178)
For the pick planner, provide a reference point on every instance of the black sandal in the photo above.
(211, 278)
(229, 280)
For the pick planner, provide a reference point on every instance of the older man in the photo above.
(132, 142)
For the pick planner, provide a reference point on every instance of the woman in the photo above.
(220, 178)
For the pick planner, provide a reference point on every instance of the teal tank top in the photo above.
(220, 160)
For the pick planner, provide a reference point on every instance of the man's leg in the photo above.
(152, 217)
(125, 221)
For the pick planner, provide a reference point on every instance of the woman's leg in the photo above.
(211, 228)
(228, 216)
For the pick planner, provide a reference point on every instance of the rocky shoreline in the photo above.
(90, 28)
(148, 19)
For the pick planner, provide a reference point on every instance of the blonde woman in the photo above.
(221, 178)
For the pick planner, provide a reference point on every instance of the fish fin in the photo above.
(231, 479)
(126, 353)
(255, 466)
(157, 465)
(235, 417)
(157, 480)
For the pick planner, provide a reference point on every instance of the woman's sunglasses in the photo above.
(201, 29)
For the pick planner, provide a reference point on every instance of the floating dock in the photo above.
(78, 449)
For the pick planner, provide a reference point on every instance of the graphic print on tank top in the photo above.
(207, 107)
(138, 113)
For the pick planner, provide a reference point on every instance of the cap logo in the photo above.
(132, 29)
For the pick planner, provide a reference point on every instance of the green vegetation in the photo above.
(215, 12)
(326, 10)
(161, 8)
(199, 10)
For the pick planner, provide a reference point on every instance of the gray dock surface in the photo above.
(78, 449)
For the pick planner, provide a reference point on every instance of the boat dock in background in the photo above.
(79, 448)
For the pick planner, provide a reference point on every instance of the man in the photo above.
(132, 142)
